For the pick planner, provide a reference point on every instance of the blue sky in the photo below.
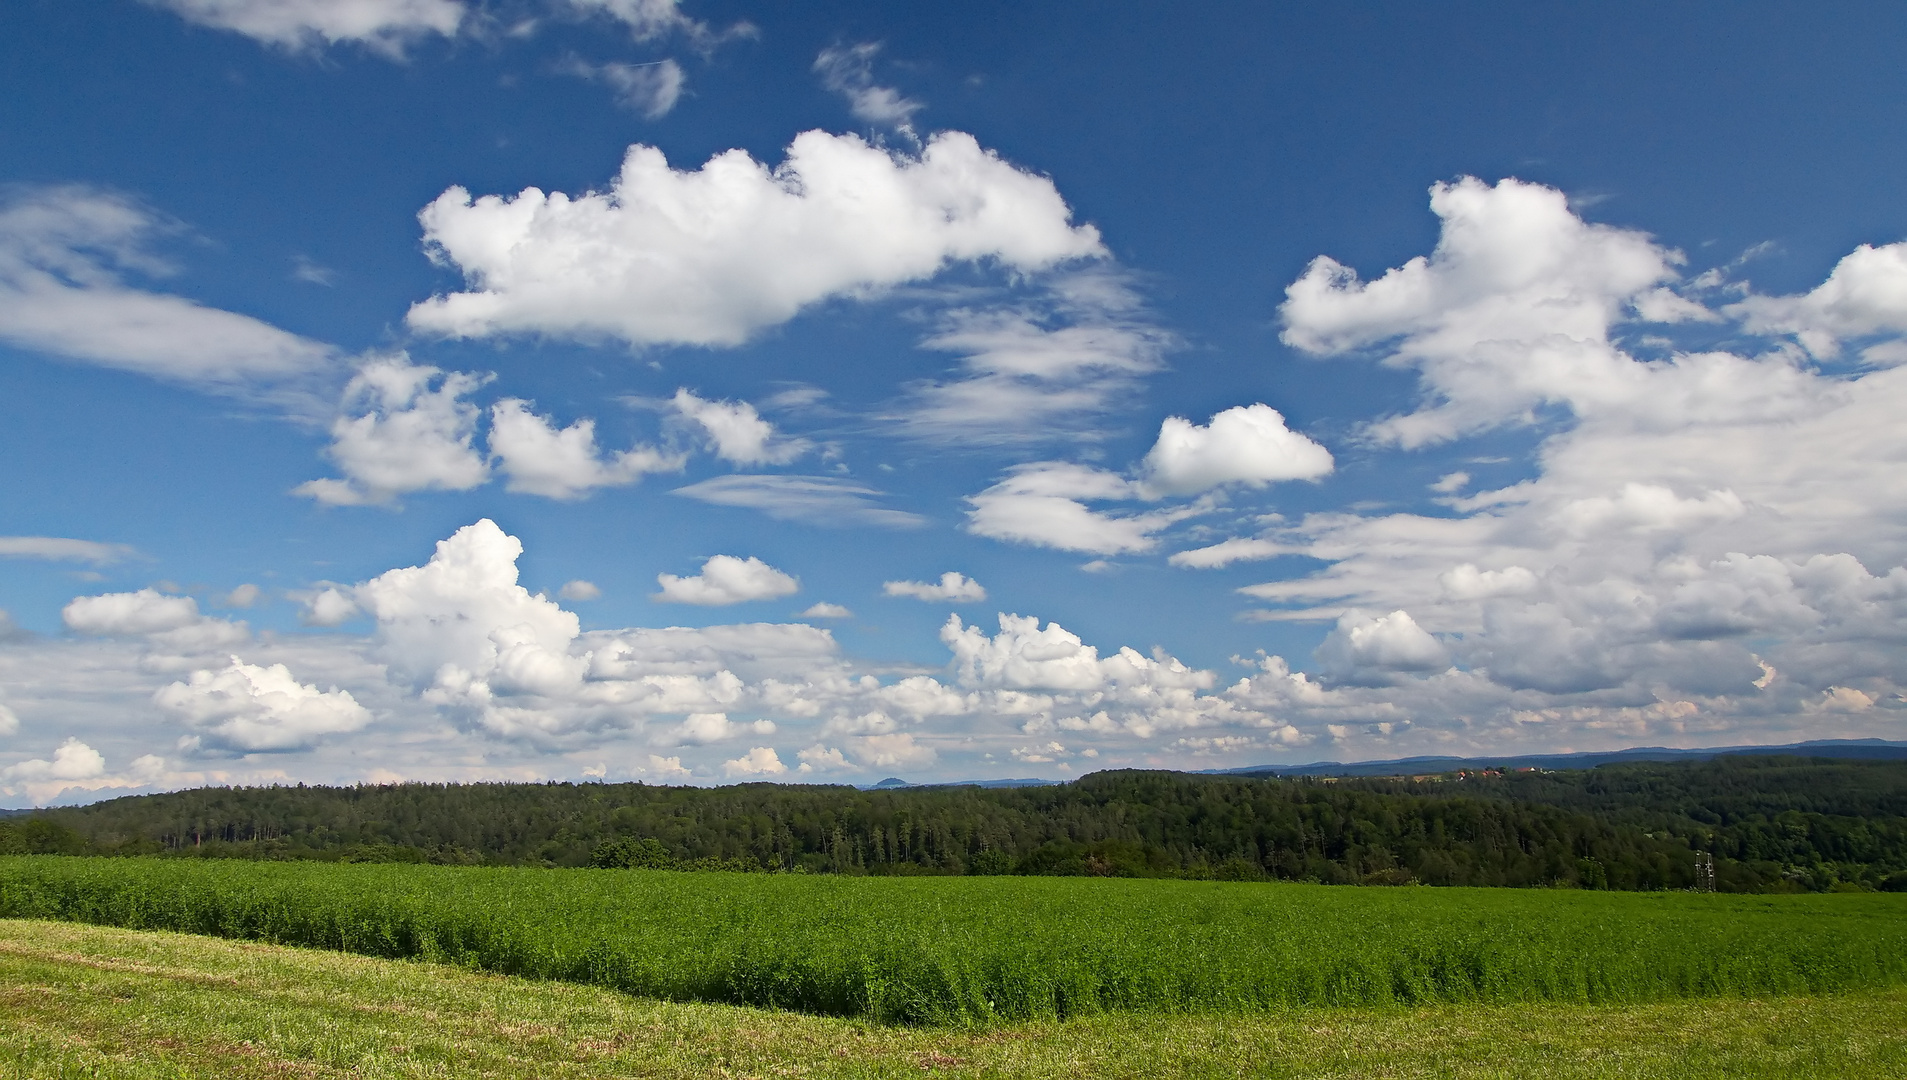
(1388, 380)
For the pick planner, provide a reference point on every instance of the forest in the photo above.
(1764, 824)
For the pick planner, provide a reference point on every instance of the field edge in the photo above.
(98, 1001)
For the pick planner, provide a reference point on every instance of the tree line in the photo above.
(1769, 824)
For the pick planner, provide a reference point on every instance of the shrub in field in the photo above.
(984, 949)
(648, 853)
(38, 836)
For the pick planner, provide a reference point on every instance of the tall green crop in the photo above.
(967, 950)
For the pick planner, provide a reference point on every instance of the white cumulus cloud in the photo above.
(329, 606)
(1694, 522)
(75, 766)
(737, 432)
(1248, 445)
(405, 427)
(1023, 655)
(760, 761)
(579, 590)
(462, 635)
(897, 750)
(1362, 647)
(710, 257)
(726, 579)
(1512, 310)
(541, 459)
(1466, 582)
(169, 625)
(147, 611)
(73, 760)
(712, 727)
(459, 639)
(1864, 296)
(822, 758)
(464, 610)
(1044, 504)
(1497, 648)
(953, 587)
(245, 708)
(242, 596)
(1057, 682)
(666, 768)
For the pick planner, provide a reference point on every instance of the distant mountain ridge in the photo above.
(893, 782)
(1855, 749)
(1859, 749)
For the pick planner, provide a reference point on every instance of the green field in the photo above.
(107, 1004)
(986, 951)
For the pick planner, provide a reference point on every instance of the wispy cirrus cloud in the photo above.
(64, 549)
(812, 500)
(385, 26)
(848, 70)
(67, 255)
(1048, 367)
(650, 88)
(654, 20)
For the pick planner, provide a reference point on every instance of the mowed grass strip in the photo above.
(982, 951)
(84, 1001)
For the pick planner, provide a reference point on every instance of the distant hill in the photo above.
(893, 782)
(1841, 749)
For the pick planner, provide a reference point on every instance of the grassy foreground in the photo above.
(983, 951)
(83, 1001)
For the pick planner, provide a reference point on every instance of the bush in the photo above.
(630, 853)
(38, 836)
